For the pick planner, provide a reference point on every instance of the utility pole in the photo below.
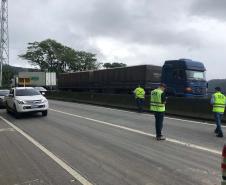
(4, 37)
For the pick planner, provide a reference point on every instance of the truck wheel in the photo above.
(16, 113)
(44, 113)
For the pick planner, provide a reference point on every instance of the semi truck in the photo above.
(35, 79)
(183, 77)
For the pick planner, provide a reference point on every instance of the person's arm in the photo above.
(163, 97)
(212, 100)
(134, 92)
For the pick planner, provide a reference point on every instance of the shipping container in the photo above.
(76, 80)
(45, 79)
(116, 79)
(127, 77)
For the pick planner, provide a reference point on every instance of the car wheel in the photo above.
(16, 113)
(7, 108)
(44, 113)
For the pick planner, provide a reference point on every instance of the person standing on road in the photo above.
(158, 101)
(139, 96)
(218, 101)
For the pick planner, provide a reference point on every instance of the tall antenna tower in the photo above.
(4, 37)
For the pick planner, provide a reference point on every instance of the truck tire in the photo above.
(44, 113)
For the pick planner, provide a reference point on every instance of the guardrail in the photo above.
(198, 108)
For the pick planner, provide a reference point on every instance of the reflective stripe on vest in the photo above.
(139, 92)
(156, 101)
(219, 102)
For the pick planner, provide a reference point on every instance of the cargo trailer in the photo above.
(183, 77)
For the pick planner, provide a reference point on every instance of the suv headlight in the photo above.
(44, 100)
(20, 102)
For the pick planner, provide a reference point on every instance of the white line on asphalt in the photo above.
(167, 117)
(65, 166)
(7, 130)
(151, 115)
(143, 133)
(29, 182)
(190, 121)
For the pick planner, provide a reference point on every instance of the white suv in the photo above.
(26, 99)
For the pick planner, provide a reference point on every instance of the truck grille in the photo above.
(199, 90)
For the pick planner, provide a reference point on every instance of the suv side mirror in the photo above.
(10, 95)
(43, 93)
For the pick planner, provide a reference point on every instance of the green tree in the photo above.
(113, 65)
(83, 61)
(107, 65)
(7, 75)
(53, 56)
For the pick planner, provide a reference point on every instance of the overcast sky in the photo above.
(130, 31)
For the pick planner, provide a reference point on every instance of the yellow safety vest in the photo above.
(156, 101)
(139, 92)
(219, 102)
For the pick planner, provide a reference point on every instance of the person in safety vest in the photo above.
(158, 101)
(139, 96)
(218, 102)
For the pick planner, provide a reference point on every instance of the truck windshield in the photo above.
(27, 92)
(195, 75)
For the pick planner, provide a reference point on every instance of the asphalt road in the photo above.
(105, 147)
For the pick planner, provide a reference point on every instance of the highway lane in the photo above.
(110, 155)
(21, 163)
(182, 130)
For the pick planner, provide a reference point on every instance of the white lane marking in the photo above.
(29, 182)
(190, 121)
(65, 166)
(143, 133)
(151, 115)
(7, 130)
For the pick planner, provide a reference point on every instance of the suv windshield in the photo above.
(26, 92)
(195, 75)
(40, 88)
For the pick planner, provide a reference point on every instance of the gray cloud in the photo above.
(141, 21)
(209, 8)
(150, 30)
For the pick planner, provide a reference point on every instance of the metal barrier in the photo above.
(198, 108)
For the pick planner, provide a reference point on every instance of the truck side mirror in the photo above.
(168, 66)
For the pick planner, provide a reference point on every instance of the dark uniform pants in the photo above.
(159, 117)
(140, 103)
(218, 118)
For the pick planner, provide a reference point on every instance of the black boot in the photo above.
(220, 135)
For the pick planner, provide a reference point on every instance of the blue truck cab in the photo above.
(184, 77)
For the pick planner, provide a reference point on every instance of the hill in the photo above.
(10, 71)
(217, 83)
(15, 70)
